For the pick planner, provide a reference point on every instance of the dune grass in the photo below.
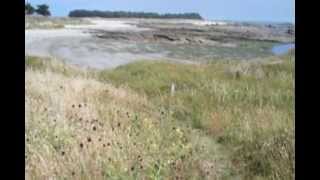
(226, 120)
(40, 22)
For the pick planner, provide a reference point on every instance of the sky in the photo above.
(237, 10)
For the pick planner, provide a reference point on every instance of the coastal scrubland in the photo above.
(224, 120)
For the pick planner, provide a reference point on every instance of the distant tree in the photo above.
(43, 9)
(124, 14)
(29, 9)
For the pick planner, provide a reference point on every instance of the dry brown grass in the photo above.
(216, 126)
(80, 128)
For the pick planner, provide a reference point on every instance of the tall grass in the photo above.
(80, 128)
(226, 120)
(246, 106)
(40, 22)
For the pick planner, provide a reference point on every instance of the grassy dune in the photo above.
(40, 22)
(226, 120)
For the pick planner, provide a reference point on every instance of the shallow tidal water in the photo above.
(282, 48)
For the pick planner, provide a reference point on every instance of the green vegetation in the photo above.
(29, 9)
(41, 9)
(225, 120)
(124, 14)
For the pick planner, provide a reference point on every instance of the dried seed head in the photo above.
(81, 145)
(89, 139)
(79, 105)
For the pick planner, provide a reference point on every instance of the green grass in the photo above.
(226, 119)
(248, 107)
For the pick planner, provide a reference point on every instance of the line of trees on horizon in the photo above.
(127, 14)
(41, 9)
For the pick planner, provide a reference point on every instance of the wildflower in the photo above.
(73, 173)
(81, 145)
(62, 153)
(80, 105)
(132, 168)
(108, 144)
(94, 128)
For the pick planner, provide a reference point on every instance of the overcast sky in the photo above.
(245, 10)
